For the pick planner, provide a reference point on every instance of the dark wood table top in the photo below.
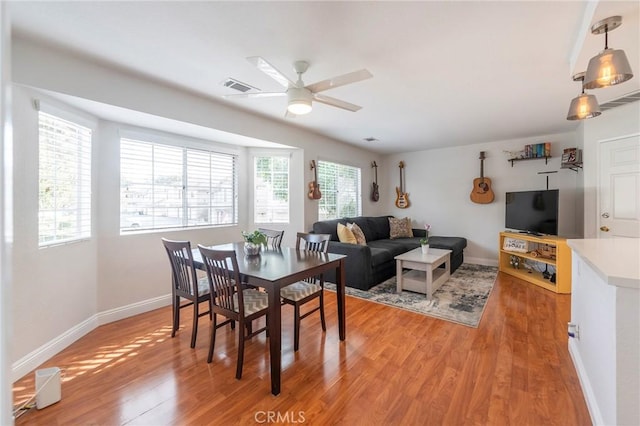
(273, 264)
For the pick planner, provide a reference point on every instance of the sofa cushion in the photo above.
(357, 233)
(329, 227)
(455, 244)
(379, 227)
(345, 235)
(385, 250)
(400, 228)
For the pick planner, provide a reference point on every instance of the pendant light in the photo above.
(583, 106)
(610, 66)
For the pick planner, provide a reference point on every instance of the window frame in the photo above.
(327, 191)
(254, 157)
(81, 120)
(185, 145)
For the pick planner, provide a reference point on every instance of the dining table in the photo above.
(275, 268)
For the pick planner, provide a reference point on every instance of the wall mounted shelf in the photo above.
(512, 160)
(571, 166)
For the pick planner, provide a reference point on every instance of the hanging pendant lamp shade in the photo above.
(609, 67)
(583, 106)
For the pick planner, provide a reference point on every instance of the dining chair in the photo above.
(186, 285)
(301, 292)
(231, 299)
(274, 237)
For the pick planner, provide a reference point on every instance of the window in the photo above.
(163, 186)
(271, 189)
(340, 186)
(64, 172)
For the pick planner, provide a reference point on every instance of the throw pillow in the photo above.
(345, 235)
(400, 228)
(357, 232)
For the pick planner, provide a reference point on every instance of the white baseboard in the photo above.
(480, 261)
(585, 384)
(35, 358)
(117, 314)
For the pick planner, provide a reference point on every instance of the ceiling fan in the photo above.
(300, 96)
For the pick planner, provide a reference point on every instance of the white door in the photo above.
(619, 189)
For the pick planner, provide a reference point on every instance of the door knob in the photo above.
(604, 229)
(605, 215)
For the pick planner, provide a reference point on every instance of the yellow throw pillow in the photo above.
(357, 232)
(345, 235)
(400, 228)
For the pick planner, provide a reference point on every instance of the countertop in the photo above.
(615, 260)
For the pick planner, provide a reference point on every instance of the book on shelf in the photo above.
(538, 150)
(572, 155)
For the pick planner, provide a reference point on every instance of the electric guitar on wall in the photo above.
(375, 195)
(314, 187)
(402, 198)
(482, 192)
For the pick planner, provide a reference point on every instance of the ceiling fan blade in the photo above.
(255, 95)
(340, 80)
(336, 103)
(270, 70)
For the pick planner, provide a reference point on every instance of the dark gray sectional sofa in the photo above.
(371, 264)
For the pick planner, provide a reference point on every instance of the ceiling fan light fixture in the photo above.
(611, 66)
(299, 101)
(583, 106)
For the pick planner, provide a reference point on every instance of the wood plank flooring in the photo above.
(395, 368)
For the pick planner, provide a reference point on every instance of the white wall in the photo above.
(612, 124)
(6, 237)
(63, 292)
(439, 182)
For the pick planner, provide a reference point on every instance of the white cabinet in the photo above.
(605, 308)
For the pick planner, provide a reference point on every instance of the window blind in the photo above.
(163, 186)
(271, 189)
(64, 172)
(341, 191)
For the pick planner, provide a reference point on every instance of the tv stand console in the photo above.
(529, 257)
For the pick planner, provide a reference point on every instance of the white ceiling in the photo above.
(445, 72)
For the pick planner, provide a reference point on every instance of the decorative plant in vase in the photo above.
(424, 241)
(253, 241)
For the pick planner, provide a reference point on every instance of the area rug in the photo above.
(461, 299)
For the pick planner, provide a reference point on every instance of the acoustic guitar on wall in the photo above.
(482, 192)
(375, 194)
(402, 198)
(314, 186)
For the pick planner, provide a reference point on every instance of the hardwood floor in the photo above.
(395, 367)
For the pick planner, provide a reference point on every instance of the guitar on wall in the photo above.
(314, 186)
(375, 195)
(482, 192)
(402, 198)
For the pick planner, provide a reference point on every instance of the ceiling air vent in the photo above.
(238, 85)
(631, 97)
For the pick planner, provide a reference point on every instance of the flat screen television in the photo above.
(534, 212)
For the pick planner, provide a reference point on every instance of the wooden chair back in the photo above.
(313, 242)
(185, 279)
(224, 281)
(274, 237)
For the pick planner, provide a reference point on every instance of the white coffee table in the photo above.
(424, 274)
